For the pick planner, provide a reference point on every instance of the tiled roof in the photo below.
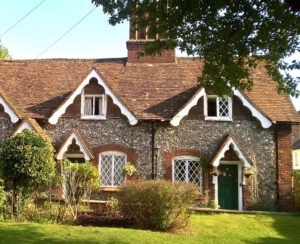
(150, 91)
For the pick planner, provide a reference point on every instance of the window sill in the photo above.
(110, 189)
(218, 119)
(89, 117)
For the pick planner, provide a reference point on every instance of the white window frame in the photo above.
(296, 159)
(187, 158)
(103, 109)
(218, 117)
(111, 153)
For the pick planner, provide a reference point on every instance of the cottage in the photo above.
(152, 113)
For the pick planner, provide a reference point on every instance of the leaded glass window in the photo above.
(111, 164)
(187, 169)
(218, 107)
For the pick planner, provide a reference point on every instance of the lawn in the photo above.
(204, 228)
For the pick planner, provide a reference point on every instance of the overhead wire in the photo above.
(65, 33)
(21, 19)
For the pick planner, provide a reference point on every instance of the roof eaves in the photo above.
(74, 134)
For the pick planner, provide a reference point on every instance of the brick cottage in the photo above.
(152, 113)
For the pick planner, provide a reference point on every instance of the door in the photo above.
(228, 186)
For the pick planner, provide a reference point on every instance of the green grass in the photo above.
(204, 228)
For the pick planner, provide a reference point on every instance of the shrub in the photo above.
(79, 180)
(26, 163)
(157, 205)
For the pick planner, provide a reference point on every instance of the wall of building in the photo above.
(197, 135)
(6, 126)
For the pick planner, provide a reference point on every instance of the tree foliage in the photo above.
(231, 36)
(4, 53)
(26, 162)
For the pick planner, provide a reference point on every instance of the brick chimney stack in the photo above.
(138, 40)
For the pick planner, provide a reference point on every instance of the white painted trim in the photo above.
(265, 122)
(296, 159)
(240, 183)
(24, 126)
(175, 121)
(236, 149)
(104, 106)
(7, 109)
(185, 111)
(68, 142)
(93, 74)
(73, 155)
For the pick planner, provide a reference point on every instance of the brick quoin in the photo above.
(285, 167)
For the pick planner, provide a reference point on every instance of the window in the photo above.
(218, 108)
(93, 107)
(111, 164)
(296, 159)
(187, 169)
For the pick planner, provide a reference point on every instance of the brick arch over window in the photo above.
(175, 153)
(131, 153)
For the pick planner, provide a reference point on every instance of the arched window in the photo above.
(111, 164)
(187, 169)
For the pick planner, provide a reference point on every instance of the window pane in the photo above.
(97, 105)
(88, 101)
(179, 170)
(223, 107)
(106, 170)
(194, 172)
(211, 106)
(119, 163)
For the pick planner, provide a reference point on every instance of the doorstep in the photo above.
(210, 210)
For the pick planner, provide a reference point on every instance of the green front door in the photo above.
(228, 186)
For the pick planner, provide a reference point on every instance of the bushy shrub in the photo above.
(157, 205)
(79, 179)
(26, 163)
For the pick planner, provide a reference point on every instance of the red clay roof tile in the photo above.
(151, 91)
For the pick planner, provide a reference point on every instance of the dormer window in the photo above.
(218, 108)
(93, 106)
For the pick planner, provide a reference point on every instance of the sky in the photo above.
(93, 37)
(42, 34)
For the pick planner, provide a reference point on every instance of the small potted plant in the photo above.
(128, 170)
(248, 172)
(215, 172)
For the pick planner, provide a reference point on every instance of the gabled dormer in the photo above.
(89, 101)
(219, 108)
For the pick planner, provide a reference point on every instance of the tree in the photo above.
(79, 179)
(232, 37)
(26, 162)
(4, 53)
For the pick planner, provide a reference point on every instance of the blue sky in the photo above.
(92, 38)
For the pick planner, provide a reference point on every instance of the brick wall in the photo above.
(134, 47)
(285, 167)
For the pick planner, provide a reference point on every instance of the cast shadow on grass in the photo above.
(25, 233)
(287, 227)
